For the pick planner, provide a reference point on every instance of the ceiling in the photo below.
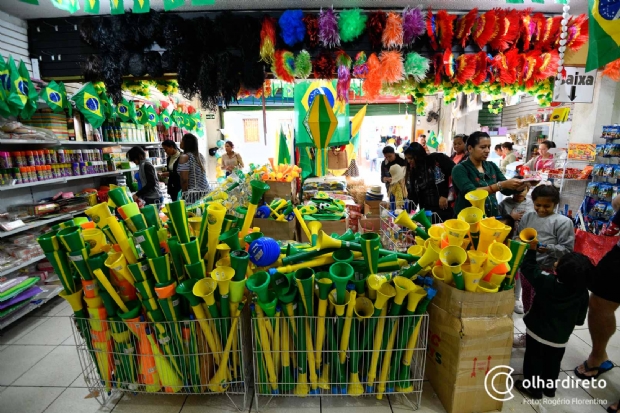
(46, 10)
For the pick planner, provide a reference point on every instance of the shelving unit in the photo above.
(40, 223)
(20, 266)
(34, 303)
(71, 143)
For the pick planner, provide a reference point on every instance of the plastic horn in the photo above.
(325, 241)
(223, 275)
(287, 377)
(490, 230)
(205, 289)
(528, 235)
(325, 283)
(237, 289)
(376, 348)
(176, 256)
(518, 250)
(190, 343)
(105, 283)
(231, 238)
(341, 274)
(194, 224)
(260, 359)
(239, 262)
(404, 220)
(421, 218)
(266, 351)
(177, 213)
(186, 290)
(306, 254)
(116, 262)
(363, 310)
(258, 283)
(452, 258)
(456, 230)
(308, 264)
(314, 227)
(431, 254)
(403, 287)
(167, 376)
(302, 223)
(59, 261)
(304, 278)
(408, 326)
(258, 190)
(218, 382)
(498, 254)
(338, 376)
(472, 216)
(99, 214)
(203, 233)
(476, 259)
(117, 229)
(404, 384)
(344, 338)
(348, 235)
(75, 301)
(477, 198)
(472, 278)
(215, 215)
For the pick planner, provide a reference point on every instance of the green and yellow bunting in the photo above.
(321, 123)
(202, 2)
(91, 6)
(141, 6)
(106, 105)
(177, 118)
(151, 116)
(67, 5)
(54, 97)
(166, 120)
(284, 156)
(141, 115)
(117, 7)
(5, 111)
(122, 111)
(172, 4)
(88, 103)
(33, 2)
(188, 122)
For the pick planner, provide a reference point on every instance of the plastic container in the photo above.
(75, 169)
(30, 158)
(5, 160)
(41, 157)
(60, 154)
(17, 175)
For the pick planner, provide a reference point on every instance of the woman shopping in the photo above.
(149, 190)
(192, 166)
(460, 150)
(509, 156)
(231, 159)
(544, 160)
(478, 173)
(171, 176)
(427, 180)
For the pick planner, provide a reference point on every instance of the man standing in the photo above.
(391, 158)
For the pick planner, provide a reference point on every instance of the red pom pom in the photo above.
(464, 26)
(465, 67)
(612, 70)
(481, 72)
(549, 63)
(445, 28)
(375, 25)
(498, 42)
(485, 28)
(577, 32)
(312, 29)
(324, 66)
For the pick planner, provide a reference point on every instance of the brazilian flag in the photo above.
(54, 97)
(151, 116)
(604, 33)
(67, 5)
(106, 105)
(65, 102)
(31, 104)
(188, 122)
(18, 94)
(117, 7)
(177, 118)
(88, 103)
(5, 111)
(122, 110)
(198, 126)
(91, 6)
(166, 119)
(141, 115)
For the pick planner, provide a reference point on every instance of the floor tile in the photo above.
(18, 329)
(52, 307)
(16, 360)
(611, 390)
(613, 348)
(516, 360)
(518, 322)
(70, 341)
(576, 352)
(428, 403)
(79, 382)
(53, 331)
(65, 312)
(281, 404)
(28, 399)
(368, 404)
(584, 335)
(59, 368)
(151, 403)
(215, 403)
(78, 400)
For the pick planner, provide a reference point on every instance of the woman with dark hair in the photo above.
(459, 148)
(171, 176)
(498, 150)
(509, 156)
(478, 173)
(149, 190)
(231, 159)
(544, 160)
(427, 179)
(192, 166)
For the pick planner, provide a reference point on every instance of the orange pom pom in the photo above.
(612, 70)
(392, 66)
(392, 37)
(372, 83)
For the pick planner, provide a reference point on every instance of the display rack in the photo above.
(34, 303)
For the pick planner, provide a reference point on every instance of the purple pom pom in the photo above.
(414, 25)
(328, 28)
(293, 27)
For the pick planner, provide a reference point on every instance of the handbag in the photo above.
(593, 246)
(337, 159)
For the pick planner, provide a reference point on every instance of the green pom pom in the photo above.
(303, 65)
(351, 24)
(416, 66)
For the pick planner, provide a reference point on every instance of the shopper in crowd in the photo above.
(428, 180)
(459, 148)
(556, 237)
(604, 301)
(478, 173)
(377, 158)
(171, 176)
(544, 160)
(515, 207)
(231, 159)
(390, 158)
(498, 150)
(397, 190)
(509, 156)
(192, 166)
(561, 303)
(149, 191)
(422, 141)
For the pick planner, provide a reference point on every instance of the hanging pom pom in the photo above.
(312, 29)
(392, 66)
(293, 28)
(445, 29)
(527, 28)
(416, 66)
(343, 63)
(328, 28)
(484, 29)
(284, 65)
(551, 31)
(360, 67)
(438, 65)
(548, 65)
(372, 84)
(303, 65)
(531, 61)
(430, 29)
(414, 25)
(577, 32)
(513, 25)
(376, 24)
(463, 27)
(612, 70)
(449, 64)
(324, 65)
(481, 71)
(538, 23)
(392, 37)
(505, 65)
(465, 67)
(351, 24)
(268, 39)
(498, 41)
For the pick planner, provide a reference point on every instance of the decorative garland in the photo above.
(496, 106)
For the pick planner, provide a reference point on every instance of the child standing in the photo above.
(561, 302)
(397, 189)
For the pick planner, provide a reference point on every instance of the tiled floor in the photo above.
(40, 372)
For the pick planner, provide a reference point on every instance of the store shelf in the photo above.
(27, 142)
(85, 143)
(40, 223)
(137, 143)
(20, 266)
(35, 302)
(62, 180)
(58, 142)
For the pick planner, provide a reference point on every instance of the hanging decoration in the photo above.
(375, 25)
(612, 70)
(527, 29)
(67, 5)
(284, 65)
(445, 29)
(360, 67)
(303, 65)
(391, 66)
(414, 25)
(393, 33)
(498, 41)
(464, 25)
(328, 28)
(481, 73)
(351, 24)
(465, 68)
(343, 65)
(496, 106)
(324, 65)
(484, 28)
(312, 29)
(416, 66)
(577, 32)
(292, 27)
(268, 39)
(372, 84)
(562, 44)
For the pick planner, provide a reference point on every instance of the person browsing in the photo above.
(391, 158)
(149, 192)
(171, 176)
(231, 159)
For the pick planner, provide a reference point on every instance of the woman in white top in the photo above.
(231, 159)
(509, 156)
(544, 160)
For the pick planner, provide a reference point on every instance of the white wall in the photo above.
(14, 39)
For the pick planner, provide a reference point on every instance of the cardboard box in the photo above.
(284, 190)
(469, 334)
(369, 225)
(339, 227)
(373, 208)
(278, 230)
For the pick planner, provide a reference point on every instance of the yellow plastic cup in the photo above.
(486, 287)
(472, 279)
(95, 238)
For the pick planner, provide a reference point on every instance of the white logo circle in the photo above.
(493, 374)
